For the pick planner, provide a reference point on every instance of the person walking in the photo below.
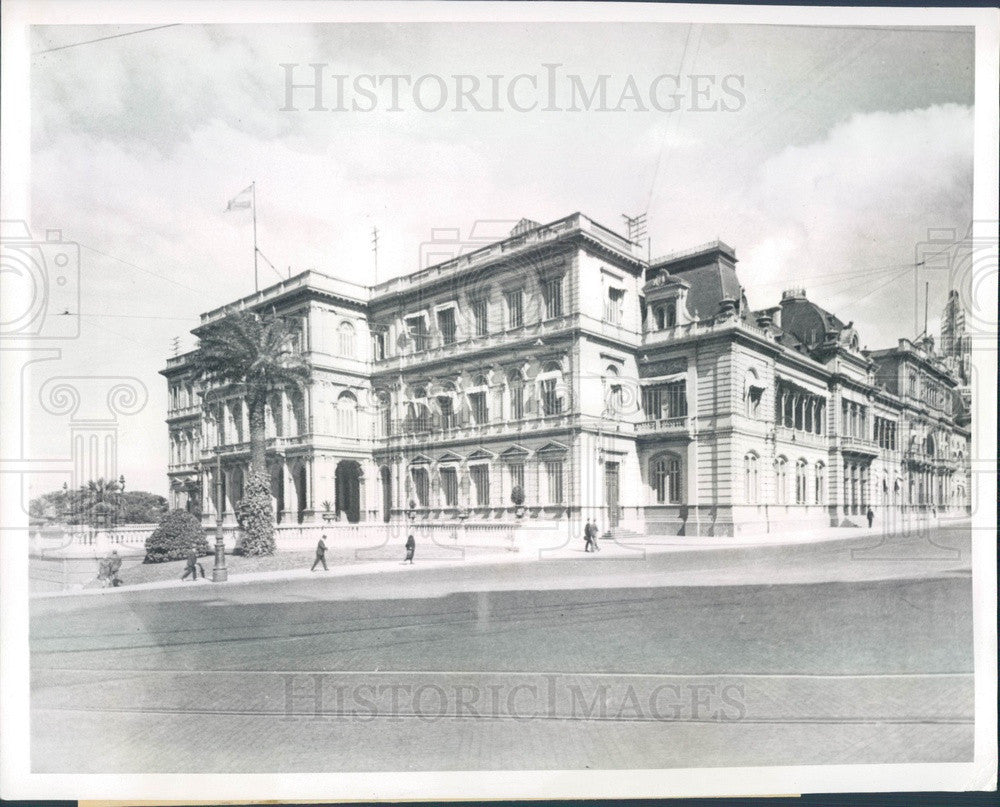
(192, 566)
(320, 555)
(871, 517)
(411, 547)
(588, 537)
(593, 536)
(114, 564)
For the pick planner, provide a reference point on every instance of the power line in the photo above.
(103, 39)
(146, 271)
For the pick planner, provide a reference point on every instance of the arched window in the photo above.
(751, 485)
(445, 400)
(345, 340)
(781, 480)
(820, 479)
(753, 392)
(800, 482)
(670, 313)
(347, 415)
(515, 394)
(665, 479)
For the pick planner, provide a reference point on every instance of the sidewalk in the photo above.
(538, 551)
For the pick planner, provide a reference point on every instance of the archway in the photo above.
(347, 487)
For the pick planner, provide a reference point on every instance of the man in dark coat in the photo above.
(192, 566)
(871, 517)
(320, 555)
(411, 547)
(588, 537)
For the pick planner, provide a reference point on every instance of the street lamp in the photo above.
(219, 572)
(120, 498)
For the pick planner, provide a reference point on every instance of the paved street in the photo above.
(841, 652)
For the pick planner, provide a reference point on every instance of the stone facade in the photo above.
(645, 395)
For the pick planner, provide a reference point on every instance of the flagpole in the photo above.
(253, 190)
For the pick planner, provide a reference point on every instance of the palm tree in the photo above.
(258, 354)
(100, 499)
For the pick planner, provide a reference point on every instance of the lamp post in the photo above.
(120, 499)
(219, 572)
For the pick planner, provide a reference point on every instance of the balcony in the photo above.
(431, 348)
(493, 428)
(859, 445)
(178, 412)
(658, 426)
(785, 434)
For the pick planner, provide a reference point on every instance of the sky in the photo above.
(828, 157)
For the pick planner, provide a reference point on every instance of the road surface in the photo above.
(854, 651)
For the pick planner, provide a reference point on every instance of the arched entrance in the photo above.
(347, 489)
(386, 476)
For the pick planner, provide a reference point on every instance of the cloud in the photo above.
(847, 213)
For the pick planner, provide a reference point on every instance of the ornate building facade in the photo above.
(643, 394)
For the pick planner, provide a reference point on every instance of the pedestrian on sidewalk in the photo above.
(588, 537)
(411, 547)
(871, 518)
(114, 564)
(193, 566)
(320, 555)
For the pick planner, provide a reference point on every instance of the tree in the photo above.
(100, 499)
(142, 507)
(78, 506)
(259, 356)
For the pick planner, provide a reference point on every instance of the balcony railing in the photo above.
(858, 444)
(675, 425)
(183, 411)
(789, 435)
(429, 348)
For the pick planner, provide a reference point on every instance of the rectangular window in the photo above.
(554, 477)
(378, 346)
(481, 317)
(421, 486)
(446, 324)
(676, 399)
(553, 298)
(449, 487)
(517, 400)
(480, 412)
(614, 305)
(515, 309)
(550, 401)
(481, 483)
(417, 329)
(516, 473)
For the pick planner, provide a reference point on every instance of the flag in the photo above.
(241, 201)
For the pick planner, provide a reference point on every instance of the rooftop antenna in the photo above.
(375, 250)
(637, 231)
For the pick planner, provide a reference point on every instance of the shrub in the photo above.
(517, 495)
(177, 532)
(256, 517)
